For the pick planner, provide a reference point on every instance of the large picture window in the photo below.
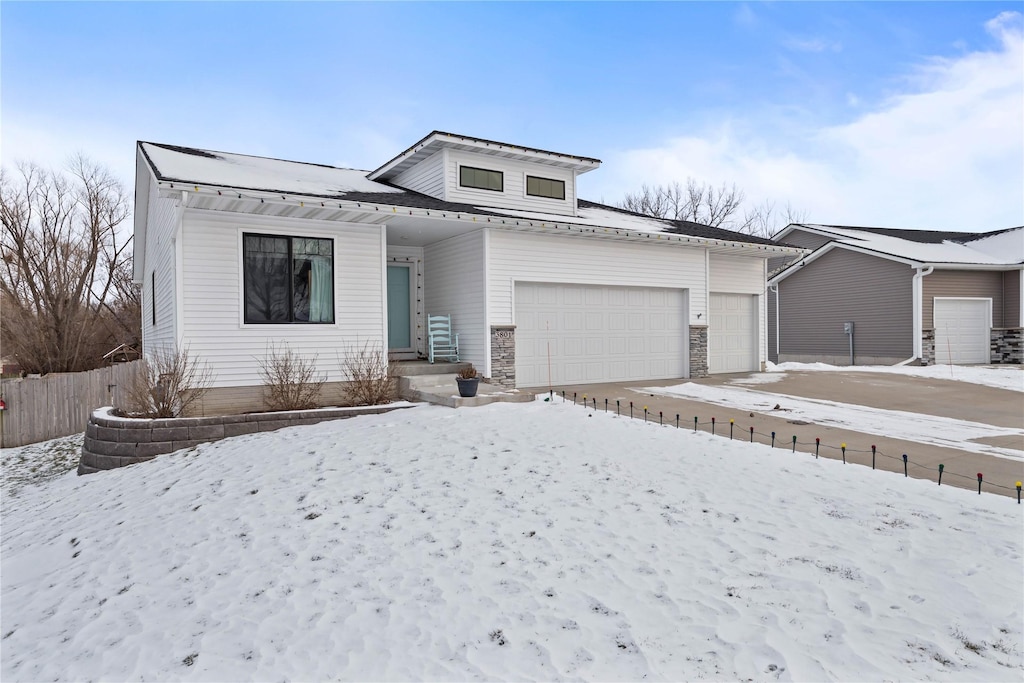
(288, 279)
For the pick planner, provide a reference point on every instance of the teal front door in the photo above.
(400, 308)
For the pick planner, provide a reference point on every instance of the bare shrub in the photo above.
(371, 379)
(168, 384)
(290, 382)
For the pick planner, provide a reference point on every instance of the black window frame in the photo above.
(500, 174)
(550, 180)
(291, 282)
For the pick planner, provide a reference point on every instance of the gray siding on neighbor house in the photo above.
(876, 294)
(966, 284)
(1011, 298)
(797, 238)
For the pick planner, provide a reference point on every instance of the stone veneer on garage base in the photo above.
(112, 442)
(698, 351)
(503, 355)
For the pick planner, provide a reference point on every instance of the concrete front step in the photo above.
(443, 390)
(413, 368)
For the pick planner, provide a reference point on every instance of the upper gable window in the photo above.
(545, 187)
(481, 178)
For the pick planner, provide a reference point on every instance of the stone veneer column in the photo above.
(1007, 345)
(928, 347)
(503, 355)
(698, 351)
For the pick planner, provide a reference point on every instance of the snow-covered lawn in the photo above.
(1000, 376)
(530, 541)
(39, 462)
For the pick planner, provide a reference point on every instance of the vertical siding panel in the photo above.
(161, 226)
(556, 258)
(514, 194)
(876, 294)
(454, 283)
(963, 283)
(426, 177)
(213, 328)
(1011, 298)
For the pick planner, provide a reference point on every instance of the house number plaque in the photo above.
(503, 334)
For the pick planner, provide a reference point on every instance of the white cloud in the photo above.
(947, 154)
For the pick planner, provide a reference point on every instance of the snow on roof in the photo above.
(590, 216)
(1003, 248)
(1006, 244)
(223, 169)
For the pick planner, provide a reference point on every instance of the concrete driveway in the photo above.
(943, 398)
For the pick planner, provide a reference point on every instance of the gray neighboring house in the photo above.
(911, 295)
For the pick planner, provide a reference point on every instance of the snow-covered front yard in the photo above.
(530, 541)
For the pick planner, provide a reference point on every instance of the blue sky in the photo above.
(898, 114)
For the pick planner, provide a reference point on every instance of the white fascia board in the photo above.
(974, 266)
(826, 248)
(498, 222)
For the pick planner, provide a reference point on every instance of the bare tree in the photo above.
(719, 207)
(696, 202)
(765, 219)
(65, 273)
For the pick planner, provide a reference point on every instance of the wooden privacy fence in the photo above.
(41, 408)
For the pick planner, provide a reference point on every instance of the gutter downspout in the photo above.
(774, 289)
(918, 288)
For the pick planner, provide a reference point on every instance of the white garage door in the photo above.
(732, 333)
(962, 330)
(598, 334)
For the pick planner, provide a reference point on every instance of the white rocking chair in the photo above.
(442, 343)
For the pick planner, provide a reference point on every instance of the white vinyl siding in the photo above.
(741, 275)
(426, 177)
(543, 258)
(454, 284)
(514, 194)
(581, 334)
(161, 226)
(962, 330)
(214, 331)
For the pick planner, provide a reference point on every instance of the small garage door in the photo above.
(732, 333)
(598, 334)
(962, 330)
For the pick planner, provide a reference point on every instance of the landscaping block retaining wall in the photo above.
(112, 442)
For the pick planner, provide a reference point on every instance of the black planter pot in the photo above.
(467, 387)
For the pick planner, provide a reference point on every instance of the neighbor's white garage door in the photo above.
(962, 330)
(598, 334)
(732, 333)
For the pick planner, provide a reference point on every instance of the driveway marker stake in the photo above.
(817, 445)
(773, 439)
(872, 456)
(1018, 493)
(979, 483)
(941, 467)
(794, 443)
(751, 435)
(731, 424)
(905, 465)
(694, 424)
(712, 426)
(842, 446)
